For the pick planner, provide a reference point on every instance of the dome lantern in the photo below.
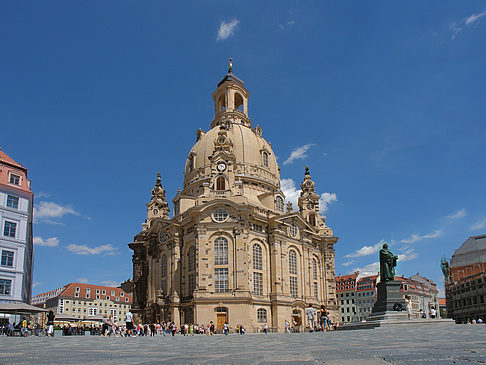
(231, 100)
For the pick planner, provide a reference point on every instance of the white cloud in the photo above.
(290, 191)
(367, 250)
(459, 214)
(36, 284)
(455, 30)
(347, 263)
(416, 238)
(42, 194)
(407, 255)
(49, 242)
(82, 280)
(370, 269)
(298, 153)
(110, 283)
(85, 250)
(473, 17)
(44, 211)
(478, 225)
(227, 29)
(326, 199)
(287, 25)
(292, 195)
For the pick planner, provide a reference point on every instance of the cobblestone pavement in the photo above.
(455, 344)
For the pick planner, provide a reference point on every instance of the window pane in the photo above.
(7, 258)
(5, 286)
(14, 179)
(164, 265)
(221, 282)
(191, 258)
(258, 283)
(314, 269)
(294, 292)
(9, 229)
(12, 202)
(221, 251)
(279, 204)
(261, 315)
(257, 257)
(293, 262)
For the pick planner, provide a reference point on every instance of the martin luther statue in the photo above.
(388, 261)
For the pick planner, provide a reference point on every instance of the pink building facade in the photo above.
(16, 236)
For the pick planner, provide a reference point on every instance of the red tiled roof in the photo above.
(8, 160)
(70, 291)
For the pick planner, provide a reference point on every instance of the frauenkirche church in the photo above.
(233, 251)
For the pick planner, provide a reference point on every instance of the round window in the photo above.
(220, 215)
(293, 230)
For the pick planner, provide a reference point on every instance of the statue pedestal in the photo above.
(388, 298)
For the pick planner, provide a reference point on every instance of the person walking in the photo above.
(50, 324)
(129, 323)
(225, 328)
(287, 326)
(323, 318)
(265, 328)
(433, 313)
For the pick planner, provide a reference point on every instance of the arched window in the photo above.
(312, 219)
(220, 183)
(261, 315)
(315, 287)
(191, 259)
(238, 102)
(265, 159)
(314, 269)
(221, 251)
(294, 288)
(221, 103)
(293, 262)
(164, 266)
(257, 257)
(279, 204)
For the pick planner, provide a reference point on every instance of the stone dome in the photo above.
(253, 155)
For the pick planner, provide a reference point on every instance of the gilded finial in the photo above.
(158, 182)
(230, 69)
(307, 170)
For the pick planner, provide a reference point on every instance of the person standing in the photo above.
(225, 328)
(265, 328)
(433, 313)
(50, 323)
(323, 318)
(129, 323)
(211, 328)
(409, 306)
(287, 326)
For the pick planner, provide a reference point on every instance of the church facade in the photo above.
(233, 251)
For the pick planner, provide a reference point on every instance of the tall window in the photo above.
(5, 287)
(164, 265)
(12, 202)
(315, 289)
(9, 229)
(220, 183)
(257, 257)
(221, 251)
(7, 258)
(279, 204)
(221, 282)
(312, 219)
(314, 269)
(262, 315)
(192, 282)
(265, 159)
(293, 262)
(163, 286)
(294, 289)
(191, 258)
(258, 283)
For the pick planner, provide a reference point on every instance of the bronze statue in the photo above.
(388, 261)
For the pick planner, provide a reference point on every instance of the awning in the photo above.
(20, 308)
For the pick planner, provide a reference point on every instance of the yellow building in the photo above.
(232, 252)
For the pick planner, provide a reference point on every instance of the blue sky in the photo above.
(383, 100)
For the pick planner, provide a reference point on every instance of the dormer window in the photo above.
(14, 179)
(279, 204)
(265, 159)
(220, 183)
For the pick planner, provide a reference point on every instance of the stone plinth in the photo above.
(388, 297)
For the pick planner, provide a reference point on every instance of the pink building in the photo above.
(16, 238)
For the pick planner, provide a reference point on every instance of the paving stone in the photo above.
(459, 344)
